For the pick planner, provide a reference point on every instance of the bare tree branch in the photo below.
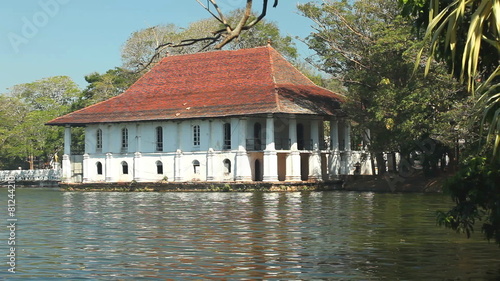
(219, 17)
(230, 32)
(225, 35)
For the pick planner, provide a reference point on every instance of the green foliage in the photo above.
(475, 189)
(104, 86)
(50, 94)
(26, 109)
(140, 48)
(12, 113)
(465, 35)
(371, 49)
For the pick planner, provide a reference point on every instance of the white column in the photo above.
(210, 165)
(347, 148)
(66, 161)
(347, 132)
(334, 133)
(178, 166)
(137, 166)
(179, 135)
(86, 167)
(109, 168)
(210, 153)
(315, 134)
(67, 140)
(293, 158)
(138, 147)
(315, 158)
(242, 134)
(107, 138)
(270, 155)
(270, 133)
(334, 160)
(137, 155)
(66, 168)
(212, 133)
(243, 172)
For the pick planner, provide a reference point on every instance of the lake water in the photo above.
(239, 236)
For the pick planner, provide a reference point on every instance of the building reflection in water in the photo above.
(308, 235)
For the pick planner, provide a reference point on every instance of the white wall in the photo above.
(179, 151)
(142, 138)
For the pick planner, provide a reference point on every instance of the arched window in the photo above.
(124, 168)
(99, 140)
(99, 168)
(227, 166)
(124, 139)
(159, 139)
(227, 136)
(196, 135)
(196, 167)
(159, 167)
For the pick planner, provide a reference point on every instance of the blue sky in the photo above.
(44, 38)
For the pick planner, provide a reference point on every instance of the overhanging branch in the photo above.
(225, 35)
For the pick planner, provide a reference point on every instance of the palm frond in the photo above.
(483, 26)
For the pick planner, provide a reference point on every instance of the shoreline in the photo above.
(383, 184)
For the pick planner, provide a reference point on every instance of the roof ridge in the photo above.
(291, 65)
(208, 52)
(300, 72)
(273, 77)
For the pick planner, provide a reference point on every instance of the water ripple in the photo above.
(244, 236)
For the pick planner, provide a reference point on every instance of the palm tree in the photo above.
(466, 34)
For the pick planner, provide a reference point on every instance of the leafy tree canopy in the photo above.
(27, 108)
(465, 35)
(370, 48)
(104, 86)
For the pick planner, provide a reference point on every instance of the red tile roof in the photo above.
(212, 84)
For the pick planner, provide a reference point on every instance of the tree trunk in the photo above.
(372, 161)
(380, 163)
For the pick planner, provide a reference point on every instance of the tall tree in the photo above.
(465, 34)
(370, 48)
(141, 50)
(104, 86)
(12, 114)
(33, 104)
(50, 94)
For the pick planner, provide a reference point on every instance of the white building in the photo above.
(245, 115)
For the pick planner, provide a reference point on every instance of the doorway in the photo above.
(258, 171)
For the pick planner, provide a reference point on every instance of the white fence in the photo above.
(31, 175)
